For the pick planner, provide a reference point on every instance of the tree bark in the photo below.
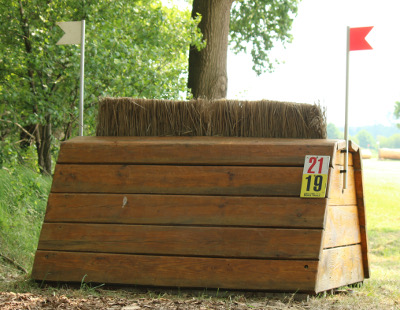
(207, 68)
(43, 146)
(42, 133)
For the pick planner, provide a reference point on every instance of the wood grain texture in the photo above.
(335, 192)
(194, 180)
(193, 150)
(176, 271)
(362, 216)
(340, 266)
(342, 227)
(339, 158)
(202, 212)
(186, 210)
(178, 240)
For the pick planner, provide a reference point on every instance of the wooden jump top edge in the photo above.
(207, 141)
(204, 140)
(197, 150)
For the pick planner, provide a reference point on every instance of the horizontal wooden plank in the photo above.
(195, 180)
(339, 267)
(182, 240)
(186, 210)
(336, 194)
(342, 226)
(146, 270)
(193, 150)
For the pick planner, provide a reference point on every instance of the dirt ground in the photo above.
(14, 301)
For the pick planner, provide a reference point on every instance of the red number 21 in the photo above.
(313, 161)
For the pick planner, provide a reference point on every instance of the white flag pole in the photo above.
(82, 81)
(74, 33)
(346, 123)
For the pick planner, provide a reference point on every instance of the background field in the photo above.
(382, 194)
(23, 196)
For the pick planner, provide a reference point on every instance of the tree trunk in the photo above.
(42, 132)
(207, 68)
(43, 146)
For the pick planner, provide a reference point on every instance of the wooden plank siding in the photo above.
(289, 212)
(183, 241)
(183, 180)
(193, 150)
(252, 274)
(211, 212)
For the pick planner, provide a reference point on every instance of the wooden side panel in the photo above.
(336, 195)
(177, 240)
(176, 271)
(186, 210)
(193, 150)
(339, 158)
(358, 176)
(340, 266)
(342, 227)
(195, 180)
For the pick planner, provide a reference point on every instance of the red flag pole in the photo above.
(346, 121)
(355, 42)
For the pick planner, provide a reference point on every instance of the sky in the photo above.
(313, 67)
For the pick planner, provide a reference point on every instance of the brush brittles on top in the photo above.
(228, 118)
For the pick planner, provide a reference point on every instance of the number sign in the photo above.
(315, 176)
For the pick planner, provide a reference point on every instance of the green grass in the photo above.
(23, 195)
(382, 197)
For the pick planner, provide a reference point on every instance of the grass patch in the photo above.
(23, 197)
(382, 196)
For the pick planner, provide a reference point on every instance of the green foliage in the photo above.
(139, 50)
(354, 139)
(133, 48)
(397, 111)
(333, 132)
(376, 130)
(392, 142)
(23, 196)
(11, 155)
(261, 23)
(365, 139)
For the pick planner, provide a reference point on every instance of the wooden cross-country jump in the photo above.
(211, 212)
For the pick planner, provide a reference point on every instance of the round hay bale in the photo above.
(386, 153)
(366, 154)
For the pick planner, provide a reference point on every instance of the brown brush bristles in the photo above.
(229, 118)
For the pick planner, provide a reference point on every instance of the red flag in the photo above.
(357, 39)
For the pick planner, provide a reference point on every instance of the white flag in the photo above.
(73, 33)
